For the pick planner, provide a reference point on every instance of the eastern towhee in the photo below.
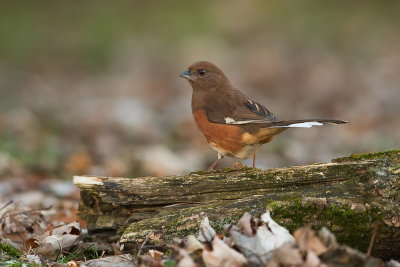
(233, 124)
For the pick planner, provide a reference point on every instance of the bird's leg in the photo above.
(254, 160)
(220, 156)
(213, 165)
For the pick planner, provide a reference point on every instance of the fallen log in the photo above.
(351, 196)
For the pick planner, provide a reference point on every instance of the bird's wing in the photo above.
(236, 108)
(249, 111)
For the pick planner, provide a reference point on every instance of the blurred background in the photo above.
(92, 87)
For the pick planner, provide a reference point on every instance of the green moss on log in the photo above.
(351, 225)
(370, 156)
(164, 229)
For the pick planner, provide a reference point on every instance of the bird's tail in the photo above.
(303, 123)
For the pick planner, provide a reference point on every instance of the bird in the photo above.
(233, 124)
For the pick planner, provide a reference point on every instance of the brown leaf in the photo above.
(31, 243)
(156, 255)
(312, 260)
(193, 244)
(71, 228)
(307, 240)
(286, 255)
(327, 238)
(222, 255)
(148, 261)
(79, 163)
(54, 244)
(72, 264)
(245, 223)
(185, 259)
(346, 256)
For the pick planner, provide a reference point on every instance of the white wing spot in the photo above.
(229, 120)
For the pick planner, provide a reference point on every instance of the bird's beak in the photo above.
(186, 74)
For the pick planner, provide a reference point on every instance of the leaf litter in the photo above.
(44, 240)
(261, 242)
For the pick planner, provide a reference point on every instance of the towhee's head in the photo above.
(204, 75)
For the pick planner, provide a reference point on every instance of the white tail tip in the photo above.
(307, 124)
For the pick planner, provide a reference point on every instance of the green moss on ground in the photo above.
(80, 254)
(10, 251)
(12, 257)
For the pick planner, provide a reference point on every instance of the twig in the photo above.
(371, 242)
(154, 246)
(32, 210)
(141, 248)
(102, 254)
(7, 204)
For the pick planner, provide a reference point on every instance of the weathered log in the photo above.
(349, 195)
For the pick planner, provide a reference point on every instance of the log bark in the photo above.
(348, 195)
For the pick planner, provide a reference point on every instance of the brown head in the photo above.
(204, 75)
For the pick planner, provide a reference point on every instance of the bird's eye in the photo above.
(201, 72)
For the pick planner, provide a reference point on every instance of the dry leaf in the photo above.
(185, 259)
(124, 260)
(307, 240)
(31, 243)
(286, 255)
(258, 248)
(392, 263)
(156, 255)
(148, 261)
(312, 260)
(73, 228)
(346, 256)
(245, 223)
(206, 232)
(222, 255)
(72, 264)
(327, 238)
(193, 244)
(280, 234)
(63, 238)
(33, 259)
(80, 162)
(52, 245)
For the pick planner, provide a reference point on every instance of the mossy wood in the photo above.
(349, 195)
